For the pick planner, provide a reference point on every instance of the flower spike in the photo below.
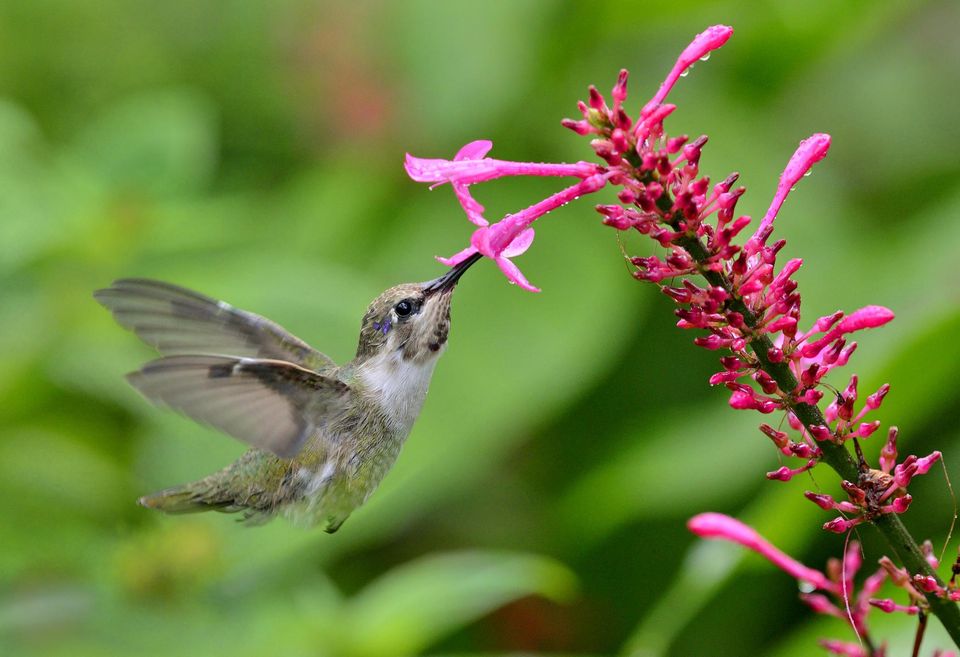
(748, 307)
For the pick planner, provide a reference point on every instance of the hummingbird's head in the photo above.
(413, 318)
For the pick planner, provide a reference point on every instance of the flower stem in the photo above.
(835, 455)
(921, 628)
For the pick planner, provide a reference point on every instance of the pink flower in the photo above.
(701, 47)
(717, 525)
(512, 235)
(838, 582)
(811, 150)
(470, 165)
(889, 606)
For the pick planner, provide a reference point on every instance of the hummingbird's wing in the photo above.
(270, 404)
(176, 320)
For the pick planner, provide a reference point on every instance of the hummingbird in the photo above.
(322, 436)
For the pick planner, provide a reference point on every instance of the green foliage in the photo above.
(253, 152)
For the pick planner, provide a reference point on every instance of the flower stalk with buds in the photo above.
(746, 304)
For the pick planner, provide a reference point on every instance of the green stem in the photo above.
(835, 455)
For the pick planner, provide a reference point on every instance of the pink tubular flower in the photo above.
(837, 582)
(511, 236)
(701, 47)
(810, 151)
(890, 606)
(471, 165)
(717, 525)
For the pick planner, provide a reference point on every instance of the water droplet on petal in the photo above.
(705, 57)
(808, 173)
(805, 587)
(685, 73)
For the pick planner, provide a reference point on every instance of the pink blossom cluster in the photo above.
(876, 491)
(747, 303)
(917, 585)
(834, 592)
(844, 424)
(512, 235)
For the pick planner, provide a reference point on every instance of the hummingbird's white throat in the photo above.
(397, 384)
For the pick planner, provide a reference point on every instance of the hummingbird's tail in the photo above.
(182, 499)
(239, 487)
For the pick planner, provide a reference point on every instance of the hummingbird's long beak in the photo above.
(448, 280)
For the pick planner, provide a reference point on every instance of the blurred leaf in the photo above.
(159, 143)
(413, 605)
(442, 60)
(38, 194)
(59, 471)
(720, 449)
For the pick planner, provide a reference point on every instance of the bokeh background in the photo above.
(253, 151)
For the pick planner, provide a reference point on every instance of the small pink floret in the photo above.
(702, 45)
(927, 583)
(840, 525)
(924, 464)
(810, 151)
(867, 317)
(820, 604)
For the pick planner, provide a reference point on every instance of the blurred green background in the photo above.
(253, 151)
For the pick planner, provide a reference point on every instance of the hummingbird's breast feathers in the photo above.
(396, 385)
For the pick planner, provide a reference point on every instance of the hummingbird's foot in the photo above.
(333, 524)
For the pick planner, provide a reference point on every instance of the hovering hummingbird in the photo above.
(322, 435)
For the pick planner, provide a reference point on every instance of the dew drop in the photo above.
(685, 73)
(807, 174)
(805, 587)
(705, 57)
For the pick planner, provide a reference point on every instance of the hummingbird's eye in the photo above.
(404, 308)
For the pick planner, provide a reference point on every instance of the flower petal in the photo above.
(519, 244)
(456, 258)
(475, 150)
(471, 206)
(423, 169)
(513, 274)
